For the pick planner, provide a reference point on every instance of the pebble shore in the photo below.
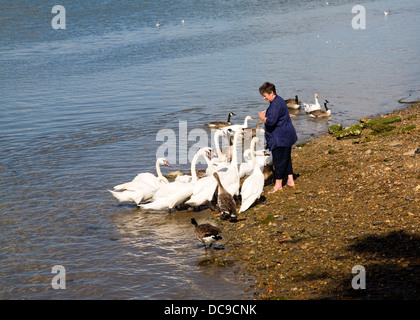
(356, 203)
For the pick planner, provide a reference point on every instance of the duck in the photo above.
(293, 103)
(321, 113)
(175, 193)
(146, 177)
(225, 201)
(221, 124)
(206, 233)
(253, 186)
(311, 107)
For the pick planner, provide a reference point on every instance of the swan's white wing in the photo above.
(203, 191)
(135, 196)
(245, 169)
(251, 189)
(170, 195)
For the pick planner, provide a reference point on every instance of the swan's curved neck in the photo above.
(234, 160)
(159, 173)
(210, 165)
(246, 123)
(193, 165)
(316, 100)
(217, 134)
(253, 152)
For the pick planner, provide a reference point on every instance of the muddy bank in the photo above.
(356, 203)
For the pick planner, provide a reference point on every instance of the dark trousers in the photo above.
(282, 161)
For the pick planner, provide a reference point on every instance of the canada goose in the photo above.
(253, 185)
(206, 233)
(227, 205)
(293, 103)
(146, 177)
(311, 107)
(221, 124)
(321, 113)
(268, 172)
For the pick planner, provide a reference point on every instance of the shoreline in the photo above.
(355, 204)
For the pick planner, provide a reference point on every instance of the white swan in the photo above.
(146, 177)
(221, 157)
(312, 107)
(204, 188)
(253, 185)
(221, 160)
(143, 192)
(262, 158)
(236, 127)
(174, 193)
(230, 178)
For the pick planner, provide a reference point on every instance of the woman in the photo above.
(280, 135)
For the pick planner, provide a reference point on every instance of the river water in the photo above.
(83, 108)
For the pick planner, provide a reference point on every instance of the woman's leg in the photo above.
(281, 166)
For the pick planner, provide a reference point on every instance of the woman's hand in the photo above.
(262, 116)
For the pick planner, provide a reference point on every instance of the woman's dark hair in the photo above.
(267, 87)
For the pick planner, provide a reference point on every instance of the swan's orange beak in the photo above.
(166, 163)
(316, 95)
(251, 119)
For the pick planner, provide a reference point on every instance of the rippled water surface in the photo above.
(81, 110)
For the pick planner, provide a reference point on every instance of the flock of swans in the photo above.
(220, 182)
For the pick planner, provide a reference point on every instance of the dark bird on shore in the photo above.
(221, 124)
(293, 103)
(206, 233)
(321, 113)
(225, 201)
